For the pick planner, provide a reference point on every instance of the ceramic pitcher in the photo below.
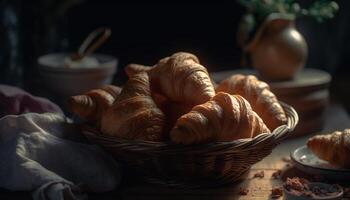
(278, 51)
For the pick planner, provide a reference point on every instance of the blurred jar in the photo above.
(11, 68)
(29, 29)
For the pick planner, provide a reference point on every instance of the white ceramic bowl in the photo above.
(72, 81)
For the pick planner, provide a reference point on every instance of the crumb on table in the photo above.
(276, 192)
(243, 191)
(296, 184)
(300, 187)
(276, 174)
(259, 174)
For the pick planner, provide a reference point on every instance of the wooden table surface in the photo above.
(259, 188)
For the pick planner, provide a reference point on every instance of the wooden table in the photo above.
(259, 188)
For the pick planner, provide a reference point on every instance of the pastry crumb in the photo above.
(259, 174)
(276, 192)
(296, 184)
(243, 191)
(300, 187)
(276, 174)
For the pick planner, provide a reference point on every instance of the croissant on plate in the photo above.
(258, 94)
(92, 104)
(134, 114)
(334, 148)
(181, 78)
(224, 118)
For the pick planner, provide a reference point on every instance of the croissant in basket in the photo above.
(181, 78)
(224, 118)
(132, 69)
(176, 98)
(258, 94)
(134, 114)
(334, 148)
(92, 104)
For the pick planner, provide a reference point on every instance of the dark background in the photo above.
(144, 32)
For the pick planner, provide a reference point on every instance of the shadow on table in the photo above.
(131, 190)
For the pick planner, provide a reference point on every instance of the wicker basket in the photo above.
(206, 165)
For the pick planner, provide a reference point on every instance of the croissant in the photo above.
(181, 78)
(134, 114)
(258, 94)
(132, 69)
(92, 104)
(224, 118)
(334, 148)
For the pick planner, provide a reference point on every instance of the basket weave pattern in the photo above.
(205, 165)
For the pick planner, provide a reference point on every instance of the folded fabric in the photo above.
(36, 156)
(16, 101)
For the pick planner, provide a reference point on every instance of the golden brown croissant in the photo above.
(181, 78)
(334, 148)
(224, 118)
(132, 69)
(92, 104)
(258, 94)
(134, 114)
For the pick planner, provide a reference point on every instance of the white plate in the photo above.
(308, 162)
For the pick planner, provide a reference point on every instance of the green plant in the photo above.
(319, 10)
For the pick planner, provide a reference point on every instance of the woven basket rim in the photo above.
(275, 136)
